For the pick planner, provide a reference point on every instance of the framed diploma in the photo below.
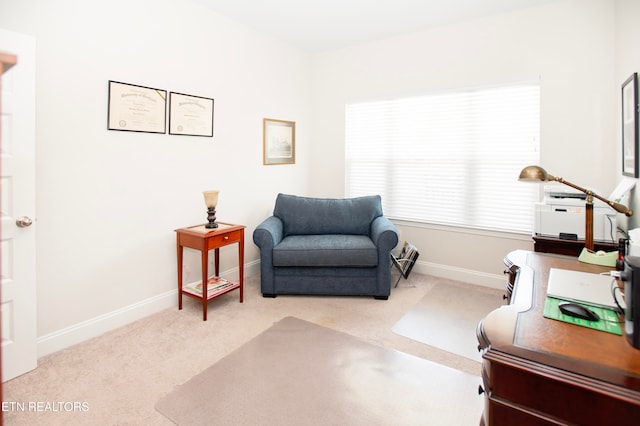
(630, 126)
(190, 115)
(136, 108)
(279, 140)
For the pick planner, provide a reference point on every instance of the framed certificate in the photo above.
(136, 108)
(279, 140)
(190, 115)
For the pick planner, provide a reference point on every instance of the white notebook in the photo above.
(585, 287)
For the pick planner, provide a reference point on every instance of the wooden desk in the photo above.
(538, 371)
(204, 239)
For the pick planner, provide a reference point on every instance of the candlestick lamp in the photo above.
(211, 200)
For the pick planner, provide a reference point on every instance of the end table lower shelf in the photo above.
(216, 286)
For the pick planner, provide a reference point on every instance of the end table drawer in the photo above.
(224, 239)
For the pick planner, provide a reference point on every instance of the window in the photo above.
(450, 157)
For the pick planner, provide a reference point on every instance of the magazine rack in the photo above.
(405, 261)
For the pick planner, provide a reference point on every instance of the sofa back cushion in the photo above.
(316, 216)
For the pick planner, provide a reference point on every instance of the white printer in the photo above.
(562, 214)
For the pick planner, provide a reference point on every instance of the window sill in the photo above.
(496, 233)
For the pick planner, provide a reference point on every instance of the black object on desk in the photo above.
(578, 311)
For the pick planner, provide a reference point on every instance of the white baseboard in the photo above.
(94, 327)
(86, 330)
(460, 274)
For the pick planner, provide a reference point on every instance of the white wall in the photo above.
(627, 62)
(108, 201)
(569, 45)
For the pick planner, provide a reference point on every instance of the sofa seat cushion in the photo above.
(326, 250)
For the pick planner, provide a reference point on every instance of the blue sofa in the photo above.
(325, 246)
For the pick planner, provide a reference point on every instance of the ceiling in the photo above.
(317, 25)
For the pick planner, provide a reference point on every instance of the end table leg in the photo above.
(241, 265)
(205, 277)
(180, 250)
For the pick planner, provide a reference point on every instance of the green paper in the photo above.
(609, 321)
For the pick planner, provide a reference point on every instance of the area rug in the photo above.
(300, 373)
(447, 317)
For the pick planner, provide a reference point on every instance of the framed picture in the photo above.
(630, 126)
(136, 108)
(279, 141)
(190, 115)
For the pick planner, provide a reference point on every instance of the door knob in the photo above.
(24, 222)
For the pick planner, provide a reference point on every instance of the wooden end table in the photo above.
(204, 239)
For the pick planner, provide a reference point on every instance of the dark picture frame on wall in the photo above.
(630, 126)
(190, 115)
(279, 141)
(136, 108)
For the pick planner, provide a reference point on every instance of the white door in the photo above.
(18, 208)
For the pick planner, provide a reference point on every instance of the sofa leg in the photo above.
(381, 297)
(269, 295)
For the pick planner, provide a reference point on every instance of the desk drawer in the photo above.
(560, 395)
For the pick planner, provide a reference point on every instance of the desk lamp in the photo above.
(537, 173)
(211, 200)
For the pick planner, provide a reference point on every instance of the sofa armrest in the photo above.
(269, 233)
(384, 235)
(266, 236)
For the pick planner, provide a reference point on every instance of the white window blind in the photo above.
(448, 158)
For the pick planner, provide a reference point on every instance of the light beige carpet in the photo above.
(122, 374)
(447, 316)
(300, 373)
